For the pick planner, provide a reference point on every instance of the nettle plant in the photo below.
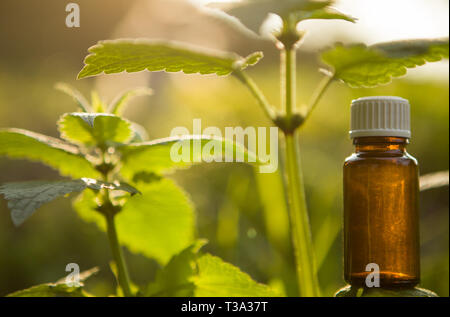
(108, 158)
(106, 153)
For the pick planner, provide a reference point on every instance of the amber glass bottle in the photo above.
(381, 187)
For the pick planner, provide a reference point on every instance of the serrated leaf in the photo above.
(155, 156)
(137, 55)
(191, 274)
(117, 106)
(216, 278)
(58, 289)
(51, 290)
(174, 279)
(91, 129)
(25, 197)
(158, 224)
(64, 157)
(367, 66)
(75, 94)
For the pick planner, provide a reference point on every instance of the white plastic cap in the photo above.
(380, 116)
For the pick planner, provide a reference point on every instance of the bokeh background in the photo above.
(242, 214)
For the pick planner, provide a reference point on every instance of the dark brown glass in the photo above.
(381, 216)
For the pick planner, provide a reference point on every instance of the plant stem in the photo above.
(300, 229)
(318, 93)
(256, 92)
(306, 268)
(109, 212)
(122, 271)
(288, 80)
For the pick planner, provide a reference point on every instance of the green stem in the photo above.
(109, 211)
(256, 92)
(288, 80)
(122, 272)
(317, 95)
(300, 229)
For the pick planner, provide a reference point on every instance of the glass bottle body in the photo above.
(381, 214)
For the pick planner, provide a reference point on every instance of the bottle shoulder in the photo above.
(367, 158)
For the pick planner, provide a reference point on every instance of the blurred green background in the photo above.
(240, 212)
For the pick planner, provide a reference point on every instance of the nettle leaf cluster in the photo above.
(110, 155)
(123, 188)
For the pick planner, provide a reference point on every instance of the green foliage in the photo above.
(51, 290)
(155, 156)
(159, 223)
(254, 13)
(192, 274)
(140, 134)
(25, 197)
(218, 278)
(66, 158)
(117, 106)
(137, 55)
(368, 66)
(58, 289)
(175, 278)
(91, 129)
(97, 103)
(323, 14)
(75, 94)
(134, 288)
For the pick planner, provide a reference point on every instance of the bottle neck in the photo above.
(385, 144)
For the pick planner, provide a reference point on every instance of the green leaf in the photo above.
(367, 66)
(155, 156)
(117, 106)
(91, 129)
(66, 158)
(58, 289)
(174, 279)
(25, 197)
(98, 185)
(140, 134)
(97, 103)
(51, 290)
(158, 224)
(253, 13)
(217, 278)
(323, 14)
(75, 94)
(137, 55)
(191, 274)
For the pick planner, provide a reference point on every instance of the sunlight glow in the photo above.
(204, 2)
